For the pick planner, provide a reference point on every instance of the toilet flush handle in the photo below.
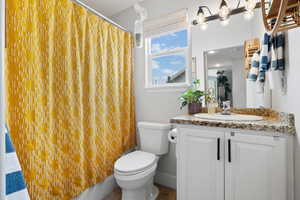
(172, 135)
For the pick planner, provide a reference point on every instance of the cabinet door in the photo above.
(255, 167)
(200, 165)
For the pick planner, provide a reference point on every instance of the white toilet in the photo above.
(134, 172)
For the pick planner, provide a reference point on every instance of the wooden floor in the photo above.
(164, 194)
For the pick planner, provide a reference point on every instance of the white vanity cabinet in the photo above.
(221, 165)
(200, 165)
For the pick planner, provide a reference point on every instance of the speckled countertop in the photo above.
(276, 122)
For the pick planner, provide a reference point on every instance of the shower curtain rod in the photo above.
(100, 15)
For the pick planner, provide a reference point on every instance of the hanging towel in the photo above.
(278, 44)
(253, 74)
(270, 59)
(15, 184)
(276, 72)
(265, 57)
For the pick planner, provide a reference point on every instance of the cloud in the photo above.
(155, 64)
(156, 48)
(167, 71)
(176, 62)
(159, 47)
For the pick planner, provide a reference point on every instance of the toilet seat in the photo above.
(135, 163)
(144, 175)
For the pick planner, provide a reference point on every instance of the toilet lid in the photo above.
(135, 161)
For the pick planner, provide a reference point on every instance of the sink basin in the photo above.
(232, 117)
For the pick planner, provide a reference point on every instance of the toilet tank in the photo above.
(154, 137)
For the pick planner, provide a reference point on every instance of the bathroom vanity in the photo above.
(235, 160)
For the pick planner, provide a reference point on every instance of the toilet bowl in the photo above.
(135, 171)
(136, 180)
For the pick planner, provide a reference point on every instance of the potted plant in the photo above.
(193, 98)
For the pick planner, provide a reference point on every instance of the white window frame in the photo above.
(186, 51)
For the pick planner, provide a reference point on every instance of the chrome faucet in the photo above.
(226, 108)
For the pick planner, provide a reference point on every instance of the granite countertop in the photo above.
(275, 122)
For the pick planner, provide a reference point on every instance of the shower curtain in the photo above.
(70, 103)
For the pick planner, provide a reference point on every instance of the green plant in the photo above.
(223, 82)
(192, 95)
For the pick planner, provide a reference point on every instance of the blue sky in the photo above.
(168, 42)
(165, 66)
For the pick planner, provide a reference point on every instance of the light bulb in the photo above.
(224, 11)
(201, 18)
(250, 5)
(203, 26)
(248, 15)
(225, 22)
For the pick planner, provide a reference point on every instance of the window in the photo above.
(167, 59)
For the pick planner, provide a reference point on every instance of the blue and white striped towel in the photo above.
(269, 60)
(15, 184)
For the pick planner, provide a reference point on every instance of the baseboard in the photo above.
(101, 190)
(98, 191)
(165, 179)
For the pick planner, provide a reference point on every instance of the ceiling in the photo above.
(109, 7)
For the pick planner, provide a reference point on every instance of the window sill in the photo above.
(165, 88)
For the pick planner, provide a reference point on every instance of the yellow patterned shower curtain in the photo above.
(70, 103)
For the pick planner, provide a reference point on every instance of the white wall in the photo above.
(290, 102)
(161, 106)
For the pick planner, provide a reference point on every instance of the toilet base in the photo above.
(154, 194)
(141, 193)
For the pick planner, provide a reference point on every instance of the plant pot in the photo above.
(194, 108)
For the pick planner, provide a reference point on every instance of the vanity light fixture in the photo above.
(225, 12)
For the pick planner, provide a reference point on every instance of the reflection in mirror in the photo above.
(225, 77)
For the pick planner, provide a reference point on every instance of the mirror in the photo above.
(219, 54)
(225, 76)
